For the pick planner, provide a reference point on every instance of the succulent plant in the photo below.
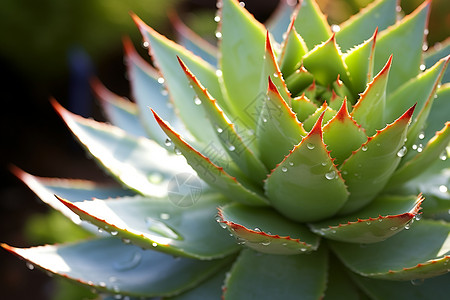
(293, 170)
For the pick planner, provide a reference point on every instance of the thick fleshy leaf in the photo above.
(75, 189)
(279, 20)
(435, 288)
(306, 186)
(282, 276)
(209, 289)
(401, 40)
(339, 284)
(266, 231)
(278, 126)
(299, 80)
(303, 107)
(212, 174)
(231, 141)
(423, 251)
(292, 52)
(435, 53)
(164, 53)
(367, 171)
(148, 91)
(119, 111)
(423, 87)
(343, 135)
(328, 114)
(311, 23)
(379, 14)
(359, 61)
(439, 111)
(326, 63)
(183, 228)
(139, 163)
(381, 219)
(272, 70)
(369, 110)
(422, 160)
(109, 265)
(193, 42)
(242, 50)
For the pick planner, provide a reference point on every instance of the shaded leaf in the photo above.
(303, 107)
(311, 23)
(299, 80)
(293, 49)
(439, 111)
(435, 53)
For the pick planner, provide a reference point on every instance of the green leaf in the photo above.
(75, 189)
(293, 49)
(212, 174)
(120, 111)
(343, 135)
(368, 169)
(181, 229)
(282, 276)
(303, 107)
(299, 80)
(193, 42)
(423, 87)
(432, 151)
(359, 61)
(439, 111)
(109, 265)
(423, 251)
(329, 113)
(379, 14)
(124, 156)
(306, 186)
(381, 219)
(311, 23)
(164, 53)
(144, 82)
(231, 141)
(436, 288)
(242, 50)
(339, 284)
(272, 70)
(369, 110)
(325, 62)
(278, 126)
(209, 289)
(404, 41)
(435, 53)
(266, 231)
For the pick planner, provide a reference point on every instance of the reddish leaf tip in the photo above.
(272, 87)
(317, 129)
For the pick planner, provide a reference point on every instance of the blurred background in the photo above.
(50, 48)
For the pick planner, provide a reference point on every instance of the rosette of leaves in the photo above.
(291, 164)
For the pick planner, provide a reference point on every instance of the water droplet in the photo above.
(168, 142)
(126, 241)
(421, 135)
(422, 67)
(219, 130)
(197, 100)
(408, 225)
(335, 28)
(164, 92)
(130, 262)
(102, 284)
(284, 169)
(291, 163)
(302, 249)
(265, 243)
(275, 74)
(154, 244)
(443, 189)
(161, 80)
(114, 233)
(222, 224)
(155, 178)
(145, 44)
(264, 120)
(219, 73)
(219, 4)
(426, 31)
(231, 148)
(393, 228)
(241, 4)
(330, 175)
(364, 148)
(100, 230)
(420, 148)
(443, 156)
(418, 217)
(368, 222)
(417, 281)
(160, 228)
(164, 216)
(177, 151)
(218, 35)
(29, 265)
(217, 18)
(310, 146)
(398, 8)
(257, 229)
(425, 46)
(414, 147)
(402, 151)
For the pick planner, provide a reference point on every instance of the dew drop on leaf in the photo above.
(310, 146)
(291, 163)
(114, 233)
(443, 189)
(257, 229)
(335, 28)
(30, 265)
(217, 18)
(393, 228)
(130, 262)
(168, 142)
(284, 169)
(145, 44)
(242, 4)
(197, 100)
(177, 151)
(330, 175)
(402, 151)
(219, 73)
(364, 148)
(417, 281)
(126, 241)
(161, 80)
(218, 35)
(164, 216)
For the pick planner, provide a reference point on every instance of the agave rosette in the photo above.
(313, 146)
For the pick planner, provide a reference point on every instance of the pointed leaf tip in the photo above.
(317, 129)
(272, 87)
